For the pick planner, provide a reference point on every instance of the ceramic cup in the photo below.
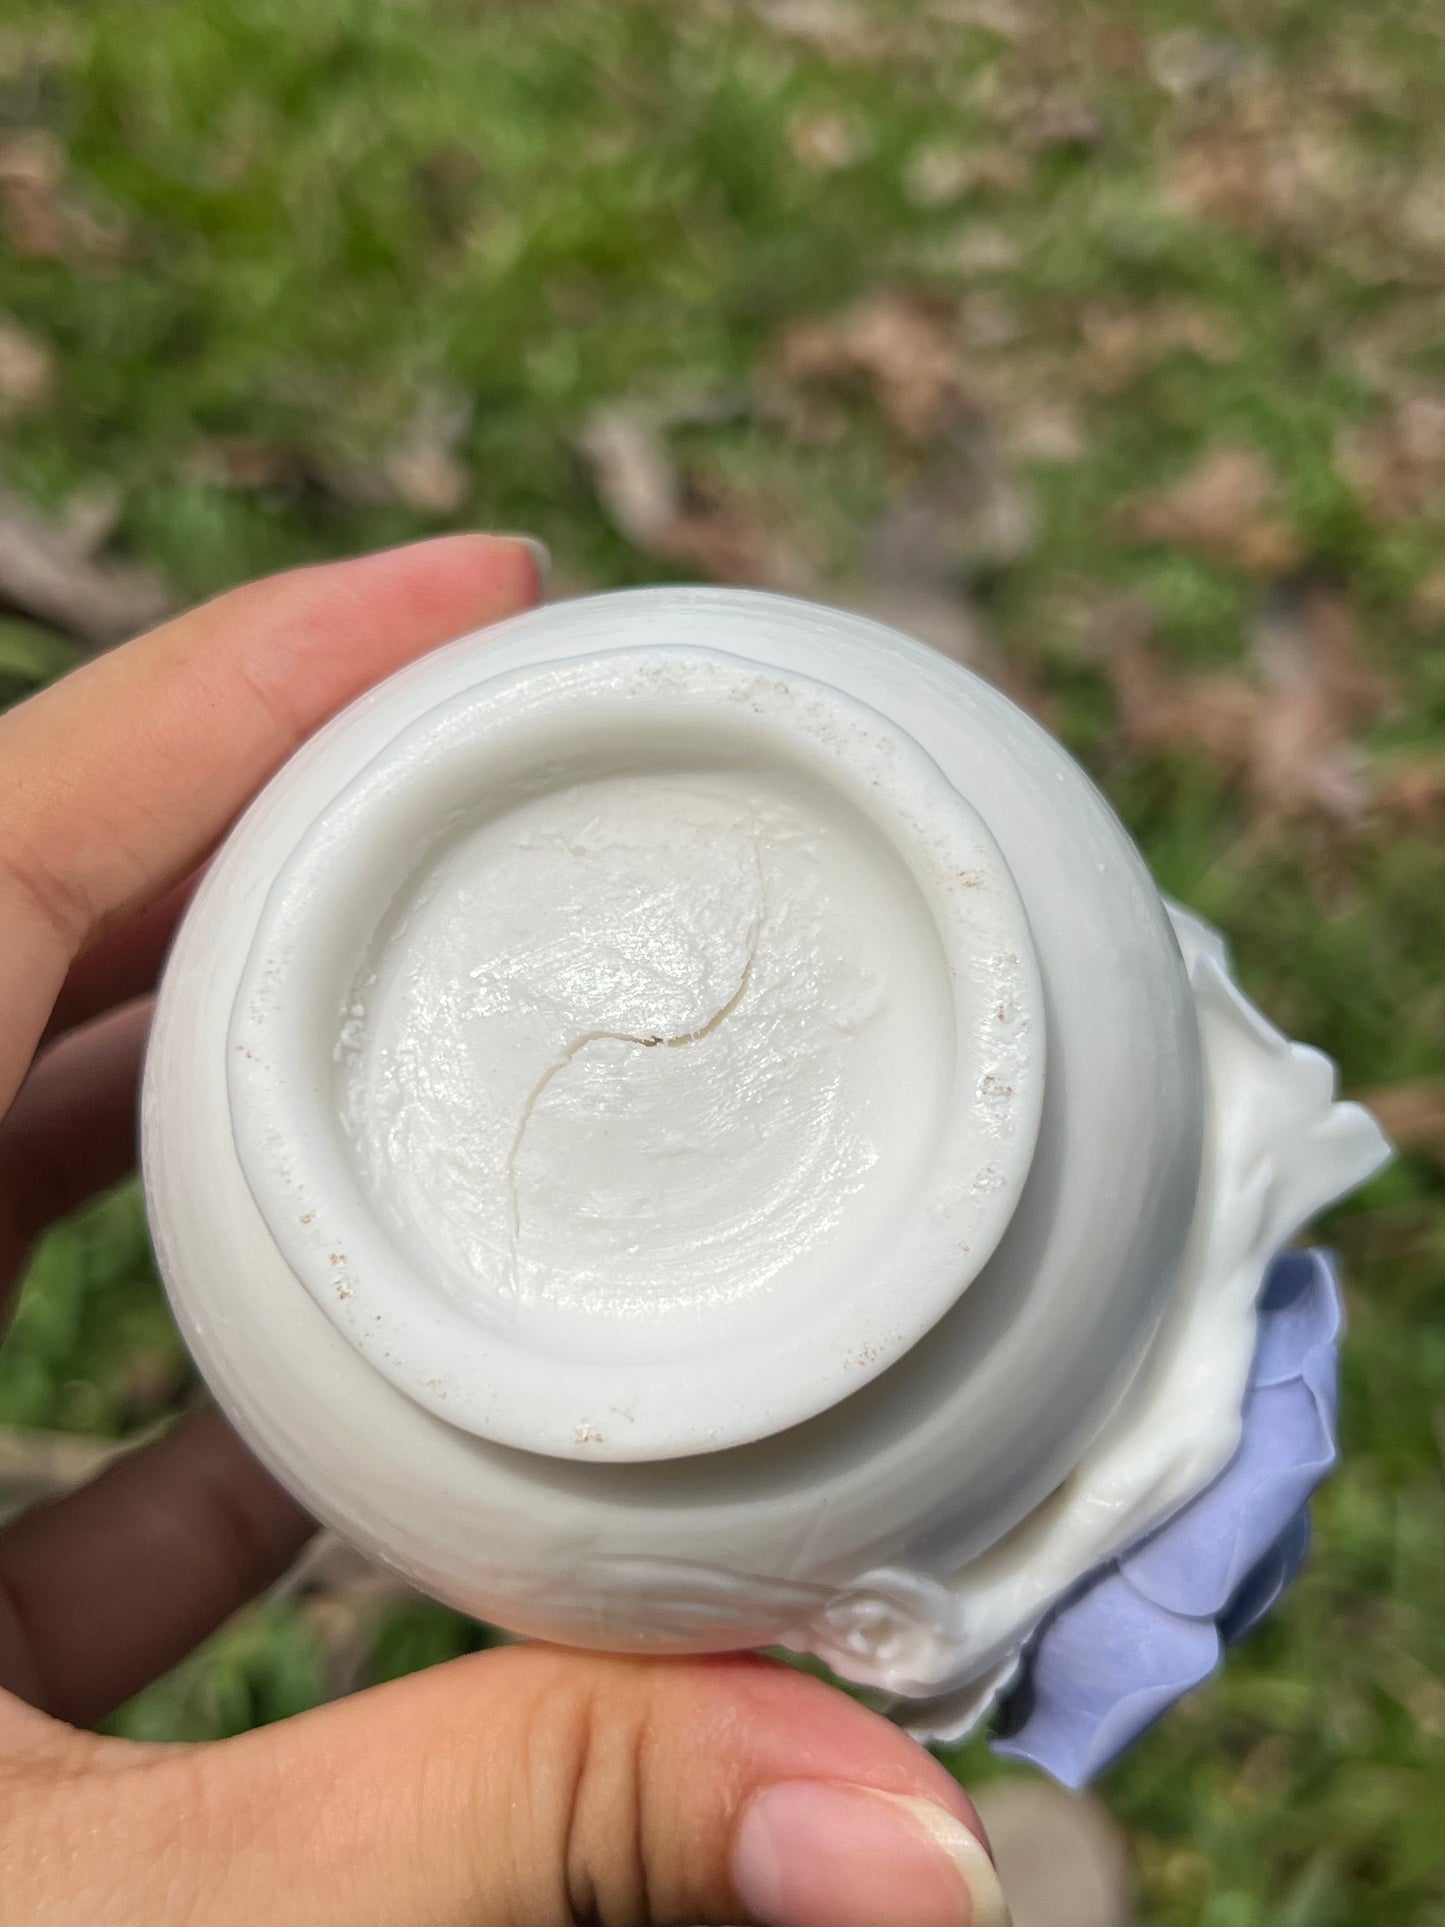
(683, 1122)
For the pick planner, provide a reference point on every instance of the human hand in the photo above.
(519, 1786)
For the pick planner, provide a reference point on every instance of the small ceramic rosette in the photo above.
(683, 1123)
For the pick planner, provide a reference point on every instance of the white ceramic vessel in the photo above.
(683, 1122)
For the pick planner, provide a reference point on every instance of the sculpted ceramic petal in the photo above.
(684, 1122)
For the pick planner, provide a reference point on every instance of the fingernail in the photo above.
(810, 1854)
(541, 554)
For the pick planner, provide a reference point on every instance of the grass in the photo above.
(287, 225)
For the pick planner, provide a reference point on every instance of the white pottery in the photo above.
(978, 1308)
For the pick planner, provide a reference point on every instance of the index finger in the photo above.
(117, 780)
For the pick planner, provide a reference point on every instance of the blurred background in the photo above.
(1099, 342)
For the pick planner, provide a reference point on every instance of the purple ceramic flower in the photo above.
(1154, 1623)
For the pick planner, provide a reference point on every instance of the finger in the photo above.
(531, 1788)
(71, 1132)
(125, 962)
(120, 777)
(103, 1590)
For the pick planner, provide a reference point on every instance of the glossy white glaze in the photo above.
(1085, 1383)
(632, 1052)
(511, 899)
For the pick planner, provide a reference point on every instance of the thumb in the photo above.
(531, 1788)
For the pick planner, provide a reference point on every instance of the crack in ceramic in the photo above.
(554, 1070)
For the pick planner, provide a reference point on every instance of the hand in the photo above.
(519, 1786)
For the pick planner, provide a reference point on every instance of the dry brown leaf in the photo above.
(1315, 692)
(1310, 635)
(633, 472)
(89, 517)
(826, 142)
(1384, 351)
(964, 517)
(803, 412)
(1283, 729)
(718, 530)
(1280, 176)
(1422, 212)
(1009, 19)
(423, 465)
(731, 536)
(1396, 465)
(1053, 121)
(943, 171)
(1410, 788)
(27, 369)
(40, 218)
(32, 166)
(420, 467)
(46, 571)
(27, 49)
(358, 479)
(1225, 508)
(1427, 602)
(836, 27)
(916, 35)
(987, 320)
(1051, 432)
(428, 477)
(1215, 716)
(245, 463)
(1000, 170)
(977, 248)
(1411, 1115)
(1121, 344)
(1188, 63)
(904, 347)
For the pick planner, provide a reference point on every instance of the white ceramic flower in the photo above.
(1278, 1149)
(684, 1123)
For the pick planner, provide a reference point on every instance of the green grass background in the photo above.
(328, 209)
